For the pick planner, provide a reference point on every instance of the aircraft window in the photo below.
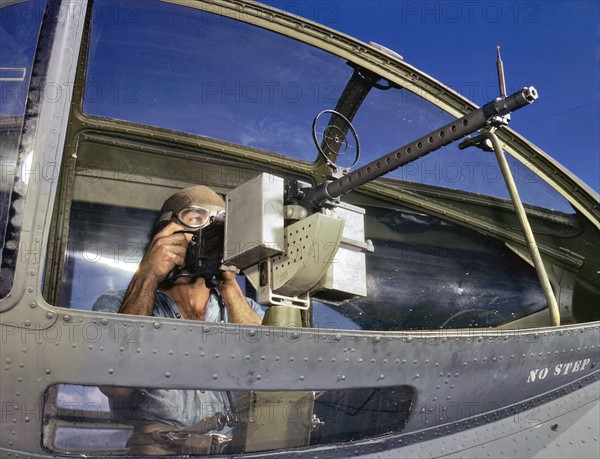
(237, 82)
(18, 23)
(428, 274)
(80, 419)
(424, 274)
(193, 71)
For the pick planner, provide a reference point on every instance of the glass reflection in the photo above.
(426, 273)
(193, 71)
(19, 26)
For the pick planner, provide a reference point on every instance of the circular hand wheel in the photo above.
(334, 139)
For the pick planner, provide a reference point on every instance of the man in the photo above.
(175, 421)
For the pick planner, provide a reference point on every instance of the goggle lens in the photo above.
(194, 216)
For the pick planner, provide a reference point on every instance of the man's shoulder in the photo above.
(109, 301)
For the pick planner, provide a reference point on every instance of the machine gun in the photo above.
(303, 241)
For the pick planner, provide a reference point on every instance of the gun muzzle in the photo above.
(503, 106)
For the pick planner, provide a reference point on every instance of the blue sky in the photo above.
(552, 45)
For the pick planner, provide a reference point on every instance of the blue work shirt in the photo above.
(179, 408)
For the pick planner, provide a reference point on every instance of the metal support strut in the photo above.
(529, 237)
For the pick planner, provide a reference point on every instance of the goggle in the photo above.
(193, 217)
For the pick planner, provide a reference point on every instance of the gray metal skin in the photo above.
(475, 395)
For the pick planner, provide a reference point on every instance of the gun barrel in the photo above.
(449, 133)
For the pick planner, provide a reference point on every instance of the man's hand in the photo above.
(167, 250)
(226, 279)
(237, 307)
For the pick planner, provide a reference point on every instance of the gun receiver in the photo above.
(490, 114)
